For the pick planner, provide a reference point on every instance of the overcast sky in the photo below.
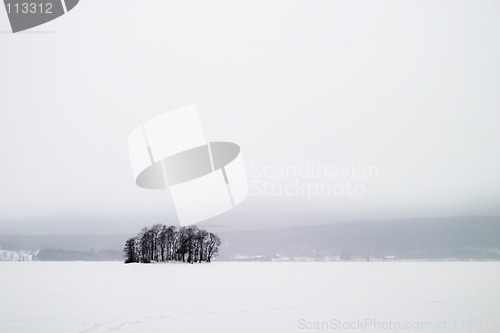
(408, 87)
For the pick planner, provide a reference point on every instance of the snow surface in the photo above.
(99, 297)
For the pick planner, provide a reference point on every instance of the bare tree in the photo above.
(171, 236)
(144, 245)
(200, 241)
(155, 232)
(183, 243)
(212, 246)
(162, 242)
(130, 251)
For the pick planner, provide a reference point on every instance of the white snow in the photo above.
(98, 297)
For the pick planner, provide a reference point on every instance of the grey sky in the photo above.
(410, 87)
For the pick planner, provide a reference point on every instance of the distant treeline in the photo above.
(71, 255)
(162, 243)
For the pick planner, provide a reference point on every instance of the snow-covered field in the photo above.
(38, 297)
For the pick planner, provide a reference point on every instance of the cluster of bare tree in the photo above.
(163, 243)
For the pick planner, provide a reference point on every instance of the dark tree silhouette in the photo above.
(212, 245)
(162, 243)
(130, 251)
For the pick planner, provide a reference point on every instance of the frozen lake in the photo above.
(77, 297)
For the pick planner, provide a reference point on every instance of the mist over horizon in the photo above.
(126, 225)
